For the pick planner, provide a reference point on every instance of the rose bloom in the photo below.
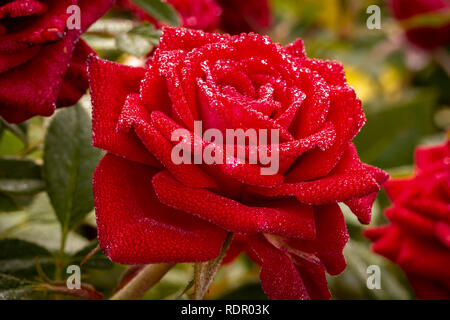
(42, 63)
(150, 210)
(427, 38)
(418, 237)
(195, 14)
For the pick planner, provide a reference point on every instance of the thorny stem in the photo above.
(204, 273)
(143, 281)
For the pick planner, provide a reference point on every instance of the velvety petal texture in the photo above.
(42, 61)
(151, 209)
(418, 237)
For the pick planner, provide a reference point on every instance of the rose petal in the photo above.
(135, 228)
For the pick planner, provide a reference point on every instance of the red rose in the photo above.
(151, 210)
(428, 38)
(195, 14)
(42, 63)
(245, 16)
(418, 238)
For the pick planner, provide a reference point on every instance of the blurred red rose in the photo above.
(42, 63)
(245, 16)
(150, 210)
(418, 238)
(195, 14)
(429, 37)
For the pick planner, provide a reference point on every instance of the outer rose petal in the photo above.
(232, 215)
(280, 278)
(135, 228)
(110, 84)
(332, 236)
(75, 81)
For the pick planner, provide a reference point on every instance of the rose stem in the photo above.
(143, 281)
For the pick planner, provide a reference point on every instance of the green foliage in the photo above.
(160, 10)
(138, 41)
(390, 136)
(19, 258)
(69, 162)
(12, 288)
(351, 284)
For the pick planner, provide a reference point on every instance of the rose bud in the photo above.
(426, 37)
(152, 210)
(42, 61)
(418, 236)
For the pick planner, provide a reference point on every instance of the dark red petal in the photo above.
(232, 215)
(332, 236)
(314, 278)
(110, 84)
(135, 228)
(428, 157)
(411, 222)
(26, 90)
(389, 243)
(297, 49)
(395, 187)
(75, 81)
(186, 39)
(362, 207)
(134, 115)
(279, 276)
(443, 233)
(12, 60)
(92, 11)
(347, 117)
(426, 289)
(424, 258)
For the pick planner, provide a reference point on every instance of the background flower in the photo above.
(427, 37)
(42, 63)
(418, 238)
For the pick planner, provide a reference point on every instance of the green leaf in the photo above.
(7, 203)
(16, 168)
(390, 136)
(139, 41)
(37, 223)
(352, 283)
(20, 176)
(69, 162)
(18, 258)
(12, 288)
(19, 130)
(21, 186)
(160, 10)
